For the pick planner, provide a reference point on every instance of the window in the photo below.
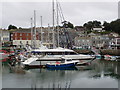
(27, 34)
(15, 34)
(20, 34)
(87, 40)
(5, 39)
(20, 38)
(15, 38)
(11, 34)
(27, 42)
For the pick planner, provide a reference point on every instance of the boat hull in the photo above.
(61, 65)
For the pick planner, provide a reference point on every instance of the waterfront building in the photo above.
(114, 43)
(22, 37)
(83, 42)
(100, 41)
(4, 35)
(113, 34)
(92, 40)
(98, 29)
(0, 36)
(80, 30)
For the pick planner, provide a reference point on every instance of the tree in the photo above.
(106, 26)
(67, 24)
(11, 27)
(88, 25)
(113, 26)
(97, 24)
(92, 24)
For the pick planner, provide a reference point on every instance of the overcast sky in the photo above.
(77, 12)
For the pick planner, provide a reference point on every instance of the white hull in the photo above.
(35, 60)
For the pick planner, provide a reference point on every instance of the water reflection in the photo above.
(100, 74)
(106, 69)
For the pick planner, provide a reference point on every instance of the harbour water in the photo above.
(100, 74)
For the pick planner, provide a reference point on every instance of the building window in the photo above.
(5, 39)
(20, 34)
(11, 38)
(15, 34)
(20, 38)
(27, 34)
(27, 43)
(11, 34)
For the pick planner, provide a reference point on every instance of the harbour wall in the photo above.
(110, 52)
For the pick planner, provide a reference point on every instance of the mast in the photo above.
(48, 35)
(41, 31)
(57, 23)
(35, 28)
(31, 32)
(53, 25)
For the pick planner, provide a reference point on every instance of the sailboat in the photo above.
(43, 55)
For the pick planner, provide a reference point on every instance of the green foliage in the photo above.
(92, 24)
(11, 27)
(114, 26)
(67, 24)
(89, 31)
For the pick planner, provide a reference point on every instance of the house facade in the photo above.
(114, 43)
(92, 40)
(4, 35)
(83, 42)
(98, 29)
(23, 37)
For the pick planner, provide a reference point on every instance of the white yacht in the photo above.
(43, 56)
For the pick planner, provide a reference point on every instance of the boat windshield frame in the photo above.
(54, 53)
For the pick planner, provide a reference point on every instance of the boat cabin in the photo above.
(54, 52)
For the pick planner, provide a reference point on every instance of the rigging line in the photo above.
(60, 15)
(57, 14)
(58, 9)
(61, 10)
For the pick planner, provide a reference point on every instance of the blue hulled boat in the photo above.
(65, 63)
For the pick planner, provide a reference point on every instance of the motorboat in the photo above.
(111, 58)
(65, 63)
(43, 56)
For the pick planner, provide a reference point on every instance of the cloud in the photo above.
(19, 13)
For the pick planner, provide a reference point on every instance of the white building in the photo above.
(114, 43)
(4, 35)
(98, 29)
(23, 37)
(83, 42)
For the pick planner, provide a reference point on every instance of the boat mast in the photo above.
(57, 22)
(53, 25)
(35, 28)
(41, 31)
(31, 32)
(48, 35)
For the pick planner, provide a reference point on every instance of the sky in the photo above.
(78, 12)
